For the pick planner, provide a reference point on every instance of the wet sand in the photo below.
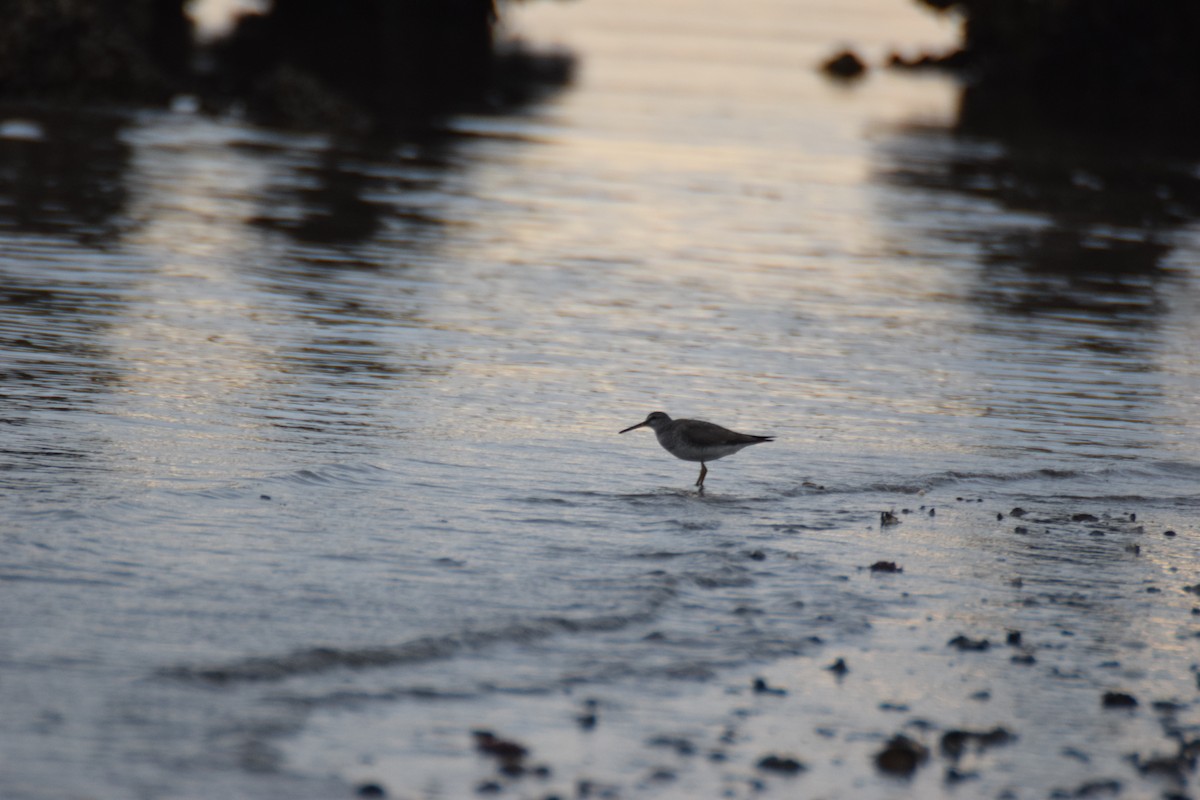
(1064, 669)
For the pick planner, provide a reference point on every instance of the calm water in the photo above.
(309, 461)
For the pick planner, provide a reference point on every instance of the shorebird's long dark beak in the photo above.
(632, 427)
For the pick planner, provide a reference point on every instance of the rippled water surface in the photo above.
(309, 465)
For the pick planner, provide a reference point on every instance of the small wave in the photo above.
(921, 484)
(313, 660)
(333, 474)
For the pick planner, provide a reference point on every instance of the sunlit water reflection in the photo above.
(309, 462)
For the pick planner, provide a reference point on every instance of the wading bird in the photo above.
(696, 440)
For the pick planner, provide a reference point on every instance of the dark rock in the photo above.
(371, 790)
(888, 519)
(1084, 518)
(1021, 529)
(781, 764)
(757, 555)
(1013, 639)
(1025, 659)
(1118, 700)
(761, 687)
(679, 744)
(1168, 533)
(901, 756)
(1018, 512)
(507, 751)
(954, 743)
(845, 65)
(963, 643)
(953, 775)
(1097, 788)
(886, 566)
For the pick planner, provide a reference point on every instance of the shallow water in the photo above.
(309, 462)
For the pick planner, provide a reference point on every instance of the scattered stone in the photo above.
(963, 643)
(999, 516)
(757, 555)
(1013, 639)
(1091, 789)
(1119, 700)
(371, 790)
(1168, 533)
(681, 745)
(264, 497)
(1021, 529)
(954, 743)
(1175, 767)
(587, 718)
(901, 756)
(762, 687)
(1025, 659)
(781, 764)
(887, 519)
(1078, 755)
(954, 776)
(489, 787)
(845, 65)
(983, 695)
(1136, 549)
(893, 707)
(1084, 518)
(1018, 512)
(886, 566)
(933, 512)
(1192, 589)
(838, 667)
(507, 752)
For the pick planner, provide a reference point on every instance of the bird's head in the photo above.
(655, 421)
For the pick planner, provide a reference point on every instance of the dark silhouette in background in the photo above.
(117, 51)
(1108, 68)
(371, 66)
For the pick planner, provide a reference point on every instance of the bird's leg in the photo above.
(700, 480)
